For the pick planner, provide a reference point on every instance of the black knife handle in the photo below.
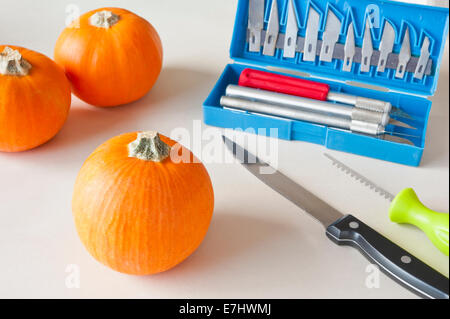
(393, 260)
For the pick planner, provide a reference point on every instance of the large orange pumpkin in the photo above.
(138, 210)
(34, 99)
(111, 56)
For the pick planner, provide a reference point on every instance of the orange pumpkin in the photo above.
(34, 99)
(111, 56)
(136, 209)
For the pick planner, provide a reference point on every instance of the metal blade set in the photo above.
(328, 48)
(297, 99)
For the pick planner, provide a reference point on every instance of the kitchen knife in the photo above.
(348, 230)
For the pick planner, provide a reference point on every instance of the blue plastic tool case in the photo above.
(409, 94)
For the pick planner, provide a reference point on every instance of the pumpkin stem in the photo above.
(149, 147)
(12, 63)
(104, 19)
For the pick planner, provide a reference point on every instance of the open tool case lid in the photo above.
(422, 21)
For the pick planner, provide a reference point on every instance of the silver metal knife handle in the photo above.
(361, 102)
(296, 114)
(306, 104)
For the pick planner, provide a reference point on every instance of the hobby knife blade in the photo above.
(312, 31)
(255, 24)
(330, 37)
(349, 49)
(367, 48)
(404, 56)
(290, 39)
(423, 60)
(273, 28)
(386, 46)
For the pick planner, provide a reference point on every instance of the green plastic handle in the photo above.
(406, 208)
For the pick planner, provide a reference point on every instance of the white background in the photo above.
(259, 244)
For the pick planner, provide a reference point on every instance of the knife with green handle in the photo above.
(348, 230)
(406, 208)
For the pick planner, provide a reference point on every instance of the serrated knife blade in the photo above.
(364, 180)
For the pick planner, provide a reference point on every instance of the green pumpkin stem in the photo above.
(12, 63)
(149, 147)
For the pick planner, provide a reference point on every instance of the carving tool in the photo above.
(386, 46)
(404, 56)
(273, 28)
(349, 49)
(367, 48)
(313, 117)
(312, 105)
(290, 38)
(255, 24)
(348, 230)
(407, 208)
(423, 59)
(330, 37)
(312, 31)
(313, 90)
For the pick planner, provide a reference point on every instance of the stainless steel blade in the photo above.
(386, 46)
(255, 24)
(312, 31)
(349, 49)
(404, 56)
(273, 28)
(286, 187)
(360, 178)
(423, 60)
(290, 39)
(367, 49)
(401, 124)
(330, 37)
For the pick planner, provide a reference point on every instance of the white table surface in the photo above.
(259, 244)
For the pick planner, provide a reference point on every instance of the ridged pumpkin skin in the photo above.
(34, 107)
(140, 217)
(110, 66)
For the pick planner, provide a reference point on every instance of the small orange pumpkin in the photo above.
(34, 99)
(111, 56)
(136, 209)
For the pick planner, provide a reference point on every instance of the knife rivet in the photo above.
(406, 259)
(354, 225)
